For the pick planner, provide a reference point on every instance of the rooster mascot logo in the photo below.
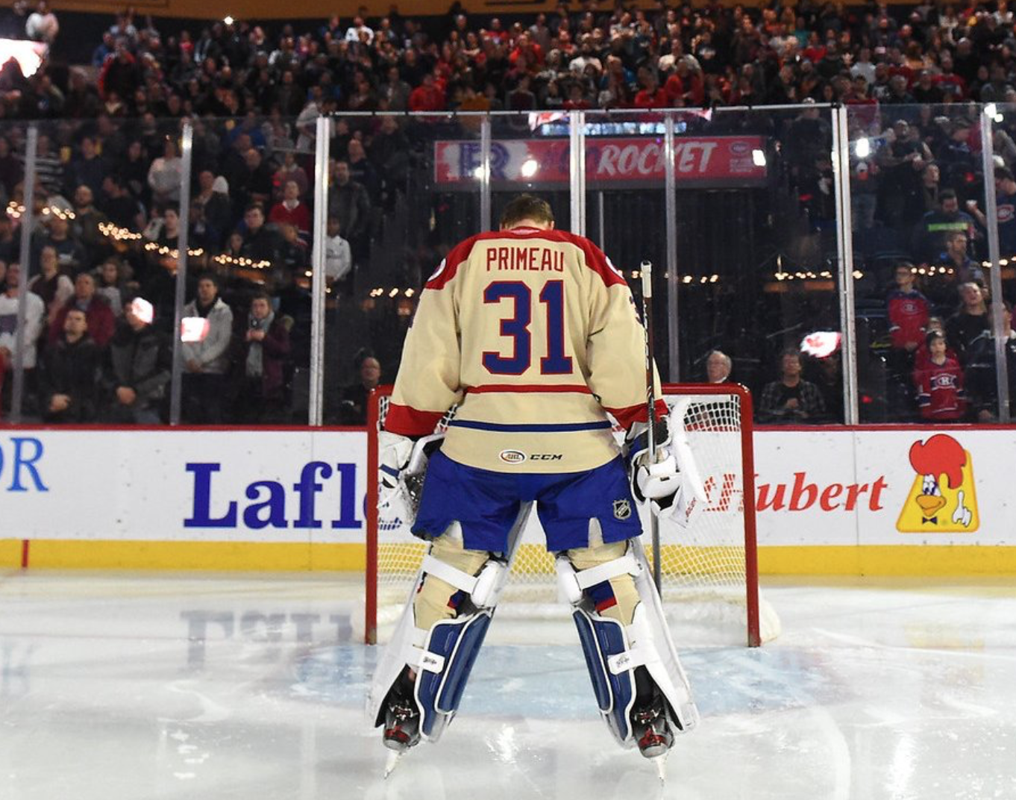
(942, 498)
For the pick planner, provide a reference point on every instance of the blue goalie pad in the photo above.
(451, 651)
(602, 639)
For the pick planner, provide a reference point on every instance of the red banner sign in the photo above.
(703, 161)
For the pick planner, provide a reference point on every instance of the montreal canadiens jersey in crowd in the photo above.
(536, 337)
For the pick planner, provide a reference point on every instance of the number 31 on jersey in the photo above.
(516, 326)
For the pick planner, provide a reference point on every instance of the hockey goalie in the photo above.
(534, 335)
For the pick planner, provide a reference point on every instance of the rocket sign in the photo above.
(942, 498)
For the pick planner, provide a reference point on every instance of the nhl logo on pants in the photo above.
(622, 509)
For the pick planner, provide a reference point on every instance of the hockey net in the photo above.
(709, 572)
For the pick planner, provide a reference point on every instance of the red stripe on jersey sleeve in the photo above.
(450, 266)
(409, 421)
(626, 417)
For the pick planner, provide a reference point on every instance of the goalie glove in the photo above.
(402, 464)
(670, 484)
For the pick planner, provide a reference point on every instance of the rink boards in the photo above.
(904, 501)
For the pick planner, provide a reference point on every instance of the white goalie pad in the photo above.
(614, 651)
(410, 645)
(652, 645)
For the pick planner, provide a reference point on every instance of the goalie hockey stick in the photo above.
(646, 270)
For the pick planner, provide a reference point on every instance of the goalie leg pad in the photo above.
(614, 649)
(439, 650)
(605, 646)
(444, 669)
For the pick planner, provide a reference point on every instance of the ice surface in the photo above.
(131, 687)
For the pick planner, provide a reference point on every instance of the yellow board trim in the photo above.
(888, 560)
(305, 557)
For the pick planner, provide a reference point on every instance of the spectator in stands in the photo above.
(51, 285)
(87, 168)
(929, 236)
(939, 384)
(165, 173)
(98, 315)
(291, 171)
(969, 329)
(1005, 202)
(85, 228)
(353, 398)
(981, 382)
(908, 312)
(254, 182)
(956, 258)
(349, 201)
(206, 361)
(718, 367)
(42, 24)
(291, 210)
(791, 399)
(35, 313)
(71, 255)
(362, 171)
(117, 203)
(260, 243)
(110, 280)
(70, 372)
(338, 258)
(137, 368)
(9, 246)
(215, 214)
(262, 349)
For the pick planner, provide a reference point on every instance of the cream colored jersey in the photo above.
(535, 334)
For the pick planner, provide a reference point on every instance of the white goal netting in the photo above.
(709, 573)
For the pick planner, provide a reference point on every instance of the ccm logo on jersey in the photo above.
(517, 457)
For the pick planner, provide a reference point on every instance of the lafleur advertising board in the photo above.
(835, 490)
(618, 162)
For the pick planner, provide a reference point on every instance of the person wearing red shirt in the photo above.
(427, 96)
(684, 87)
(291, 210)
(940, 384)
(651, 95)
(909, 310)
(98, 314)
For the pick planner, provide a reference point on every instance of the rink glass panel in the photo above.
(902, 158)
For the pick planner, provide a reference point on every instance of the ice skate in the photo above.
(402, 723)
(652, 731)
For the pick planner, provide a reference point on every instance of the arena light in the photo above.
(29, 55)
(529, 167)
(821, 344)
(142, 309)
(758, 157)
(194, 329)
(863, 148)
(228, 20)
(481, 172)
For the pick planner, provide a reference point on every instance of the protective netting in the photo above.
(705, 580)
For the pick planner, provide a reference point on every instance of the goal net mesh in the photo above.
(705, 575)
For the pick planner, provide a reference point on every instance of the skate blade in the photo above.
(394, 756)
(661, 767)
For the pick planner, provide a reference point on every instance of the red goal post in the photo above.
(710, 571)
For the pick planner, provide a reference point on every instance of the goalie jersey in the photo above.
(534, 334)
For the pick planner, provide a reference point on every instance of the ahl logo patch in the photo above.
(512, 456)
(622, 509)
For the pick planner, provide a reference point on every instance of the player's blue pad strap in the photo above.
(456, 642)
(602, 638)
